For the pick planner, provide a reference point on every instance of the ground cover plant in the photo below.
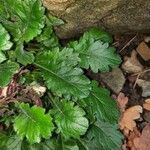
(46, 99)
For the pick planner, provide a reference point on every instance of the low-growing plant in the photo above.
(47, 102)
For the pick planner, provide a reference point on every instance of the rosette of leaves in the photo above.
(81, 115)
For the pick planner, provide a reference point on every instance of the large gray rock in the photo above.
(114, 80)
(123, 16)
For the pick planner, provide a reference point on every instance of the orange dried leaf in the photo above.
(144, 51)
(133, 134)
(129, 117)
(122, 101)
(143, 142)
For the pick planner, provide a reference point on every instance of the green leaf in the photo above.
(5, 43)
(98, 34)
(54, 21)
(23, 56)
(104, 136)
(48, 38)
(7, 70)
(70, 120)
(101, 105)
(27, 19)
(59, 70)
(3, 141)
(2, 57)
(58, 143)
(33, 123)
(95, 54)
(82, 144)
(14, 142)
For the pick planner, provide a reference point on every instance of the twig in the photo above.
(138, 75)
(144, 71)
(128, 43)
(136, 81)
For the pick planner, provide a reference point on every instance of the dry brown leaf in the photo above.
(146, 104)
(131, 64)
(129, 116)
(122, 101)
(133, 134)
(144, 51)
(143, 142)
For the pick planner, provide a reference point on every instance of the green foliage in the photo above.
(3, 141)
(94, 53)
(33, 123)
(7, 70)
(54, 21)
(82, 115)
(59, 143)
(14, 142)
(23, 56)
(70, 120)
(27, 18)
(2, 57)
(104, 135)
(98, 34)
(5, 43)
(59, 70)
(48, 38)
(98, 104)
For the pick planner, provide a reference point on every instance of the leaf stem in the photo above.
(52, 99)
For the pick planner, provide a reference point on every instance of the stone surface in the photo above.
(145, 87)
(123, 16)
(144, 51)
(114, 80)
(132, 64)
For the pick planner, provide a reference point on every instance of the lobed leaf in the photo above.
(98, 34)
(58, 143)
(2, 57)
(70, 120)
(94, 53)
(54, 21)
(103, 135)
(23, 56)
(5, 43)
(3, 141)
(59, 70)
(7, 70)
(14, 142)
(33, 123)
(27, 18)
(101, 105)
(48, 38)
